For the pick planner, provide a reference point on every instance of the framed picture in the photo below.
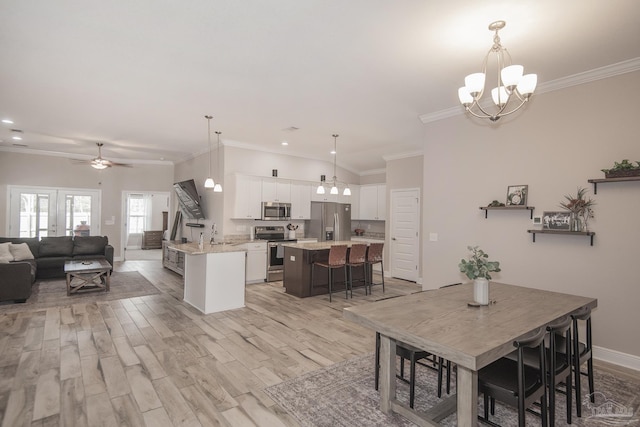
(537, 220)
(555, 220)
(517, 195)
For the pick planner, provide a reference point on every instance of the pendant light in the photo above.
(334, 188)
(209, 183)
(218, 187)
(320, 189)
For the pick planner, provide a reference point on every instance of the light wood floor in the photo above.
(156, 361)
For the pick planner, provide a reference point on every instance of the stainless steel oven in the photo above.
(274, 235)
(275, 211)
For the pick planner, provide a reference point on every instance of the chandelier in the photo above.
(513, 89)
(209, 183)
(334, 187)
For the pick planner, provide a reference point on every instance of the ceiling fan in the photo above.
(99, 162)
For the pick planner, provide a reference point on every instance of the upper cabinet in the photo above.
(373, 202)
(247, 196)
(301, 200)
(276, 190)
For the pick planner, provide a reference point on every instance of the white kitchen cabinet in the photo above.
(354, 199)
(301, 200)
(276, 190)
(247, 197)
(256, 266)
(373, 202)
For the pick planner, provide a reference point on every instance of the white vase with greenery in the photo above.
(477, 268)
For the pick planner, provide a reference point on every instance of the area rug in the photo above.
(344, 395)
(53, 293)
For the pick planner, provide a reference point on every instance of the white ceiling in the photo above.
(140, 75)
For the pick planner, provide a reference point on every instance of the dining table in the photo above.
(446, 322)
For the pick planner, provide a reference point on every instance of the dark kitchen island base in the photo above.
(298, 262)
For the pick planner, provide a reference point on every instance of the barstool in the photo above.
(357, 258)
(337, 259)
(374, 256)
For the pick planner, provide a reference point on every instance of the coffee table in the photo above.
(87, 275)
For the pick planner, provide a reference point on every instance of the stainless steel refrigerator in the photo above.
(330, 221)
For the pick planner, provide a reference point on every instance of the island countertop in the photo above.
(318, 246)
(193, 249)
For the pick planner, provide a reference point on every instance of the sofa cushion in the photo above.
(89, 245)
(5, 253)
(55, 262)
(33, 242)
(56, 247)
(20, 251)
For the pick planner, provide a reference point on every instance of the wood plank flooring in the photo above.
(156, 361)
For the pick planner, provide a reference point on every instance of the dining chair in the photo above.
(356, 258)
(374, 256)
(414, 356)
(515, 383)
(337, 259)
(581, 352)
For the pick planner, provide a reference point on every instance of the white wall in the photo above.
(560, 141)
(50, 171)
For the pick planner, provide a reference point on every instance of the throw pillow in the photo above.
(5, 254)
(20, 251)
(56, 246)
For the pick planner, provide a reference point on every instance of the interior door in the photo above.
(405, 215)
(42, 212)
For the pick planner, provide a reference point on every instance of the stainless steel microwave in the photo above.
(276, 211)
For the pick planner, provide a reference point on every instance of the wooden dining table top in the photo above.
(441, 322)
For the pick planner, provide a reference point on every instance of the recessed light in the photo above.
(17, 137)
(284, 143)
(7, 121)
(333, 151)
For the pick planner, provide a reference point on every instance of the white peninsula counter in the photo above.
(214, 276)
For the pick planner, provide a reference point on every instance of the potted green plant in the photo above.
(622, 169)
(477, 268)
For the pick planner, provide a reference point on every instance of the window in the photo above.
(137, 214)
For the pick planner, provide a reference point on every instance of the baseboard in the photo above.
(616, 357)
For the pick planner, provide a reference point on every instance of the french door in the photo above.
(44, 211)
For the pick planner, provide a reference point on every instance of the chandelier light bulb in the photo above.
(217, 188)
(334, 190)
(346, 192)
(320, 189)
(209, 183)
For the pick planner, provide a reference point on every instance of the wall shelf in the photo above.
(486, 209)
(595, 182)
(569, 233)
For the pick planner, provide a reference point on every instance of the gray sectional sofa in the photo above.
(50, 254)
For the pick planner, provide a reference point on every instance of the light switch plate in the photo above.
(433, 237)
(292, 258)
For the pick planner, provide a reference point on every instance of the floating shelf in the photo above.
(595, 182)
(486, 209)
(569, 233)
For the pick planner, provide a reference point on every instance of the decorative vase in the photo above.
(481, 291)
(575, 222)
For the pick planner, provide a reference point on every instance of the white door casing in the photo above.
(404, 229)
(52, 211)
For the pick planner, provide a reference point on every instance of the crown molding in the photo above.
(29, 151)
(623, 67)
(401, 156)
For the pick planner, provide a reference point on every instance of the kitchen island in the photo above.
(298, 260)
(214, 276)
